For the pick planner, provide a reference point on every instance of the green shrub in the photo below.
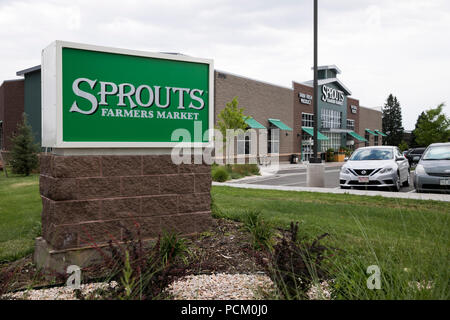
(253, 169)
(251, 218)
(246, 169)
(330, 155)
(235, 175)
(220, 174)
(262, 232)
(172, 247)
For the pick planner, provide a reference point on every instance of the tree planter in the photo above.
(339, 157)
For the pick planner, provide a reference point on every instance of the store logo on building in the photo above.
(305, 98)
(332, 95)
(354, 109)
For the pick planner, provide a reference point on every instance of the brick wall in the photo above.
(11, 109)
(370, 119)
(298, 109)
(93, 199)
(355, 117)
(260, 101)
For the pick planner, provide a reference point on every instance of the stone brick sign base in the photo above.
(89, 200)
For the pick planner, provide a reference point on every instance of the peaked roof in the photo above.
(29, 70)
(329, 67)
(330, 80)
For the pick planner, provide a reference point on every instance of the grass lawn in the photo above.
(20, 215)
(408, 239)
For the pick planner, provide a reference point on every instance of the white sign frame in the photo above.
(51, 82)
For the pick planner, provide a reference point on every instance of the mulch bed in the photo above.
(226, 248)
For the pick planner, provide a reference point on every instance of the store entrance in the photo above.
(307, 147)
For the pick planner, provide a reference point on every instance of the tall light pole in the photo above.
(316, 158)
(315, 176)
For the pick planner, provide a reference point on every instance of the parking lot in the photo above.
(296, 177)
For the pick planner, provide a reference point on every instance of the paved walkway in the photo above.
(288, 166)
(399, 195)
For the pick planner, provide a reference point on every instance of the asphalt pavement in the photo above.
(296, 177)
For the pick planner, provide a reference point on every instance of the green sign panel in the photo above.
(112, 97)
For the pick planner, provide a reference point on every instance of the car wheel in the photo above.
(406, 183)
(397, 185)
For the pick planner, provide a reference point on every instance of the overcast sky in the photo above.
(381, 46)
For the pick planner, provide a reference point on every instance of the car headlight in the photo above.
(386, 170)
(419, 170)
(345, 171)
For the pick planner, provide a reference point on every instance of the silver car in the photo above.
(380, 167)
(433, 170)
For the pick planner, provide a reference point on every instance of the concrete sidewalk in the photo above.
(398, 195)
(288, 166)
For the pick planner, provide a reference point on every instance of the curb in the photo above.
(414, 196)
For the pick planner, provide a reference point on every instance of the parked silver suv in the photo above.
(433, 170)
(379, 167)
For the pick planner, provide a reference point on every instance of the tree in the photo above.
(432, 127)
(392, 121)
(231, 117)
(24, 151)
(414, 143)
(403, 146)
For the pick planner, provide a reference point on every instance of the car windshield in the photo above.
(372, 154)
(437, 153)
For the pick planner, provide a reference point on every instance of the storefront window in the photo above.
(273, 141)
(243, 143)
(333, 142)
(367, 137)
(307, 146)
(375, 140)
(351, 124)
(331, 119)
(307, 120)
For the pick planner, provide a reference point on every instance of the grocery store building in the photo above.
(286, 112)
(343, 122)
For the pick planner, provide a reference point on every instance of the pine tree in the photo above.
(433, 127)
(392, 121)
(24, 151)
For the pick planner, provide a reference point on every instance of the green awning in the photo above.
(381, 133)
(252, 123)
(310, 131)
(371, 132)
(279, 124)
(357, 136)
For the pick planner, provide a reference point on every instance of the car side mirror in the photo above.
(416, 158)
(345, 159)
(399, 158)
